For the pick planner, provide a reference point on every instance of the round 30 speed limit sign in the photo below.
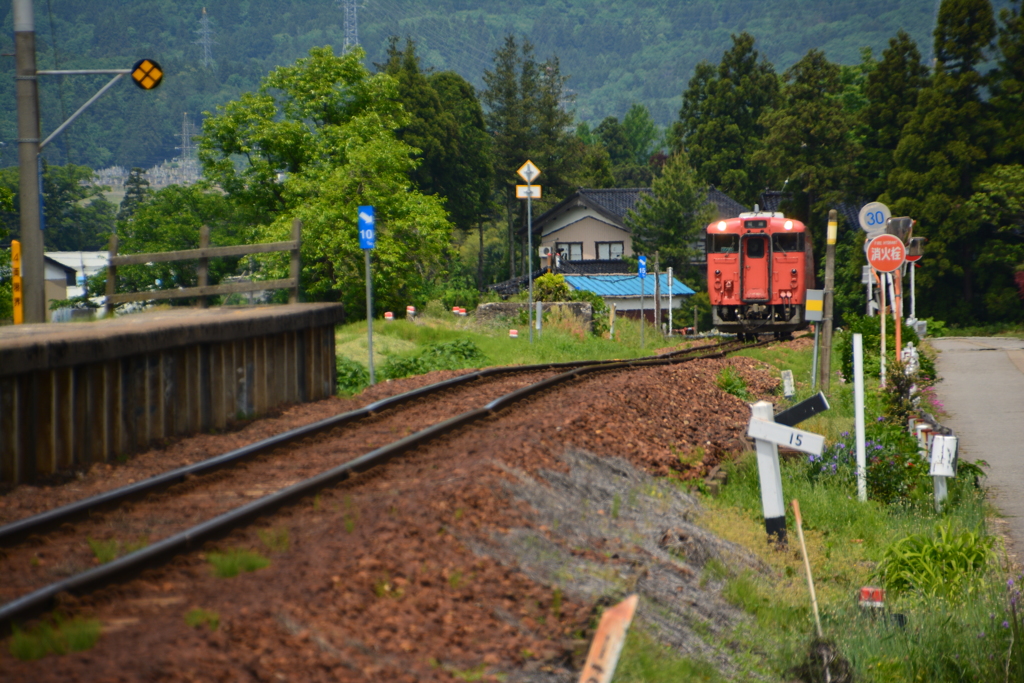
(886, 253)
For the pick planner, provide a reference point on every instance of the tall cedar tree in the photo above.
(614, 136)
(720, 123)
(446, 123)
(641, 132)
(892, 90)
(136, 188)
(944, 146)
(671, 219)
(1008, 85)
(809, 142)
(526, 119)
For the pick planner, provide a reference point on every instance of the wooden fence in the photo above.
(204, 253)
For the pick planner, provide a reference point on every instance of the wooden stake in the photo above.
(807, 565)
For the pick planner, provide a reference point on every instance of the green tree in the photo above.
(76, 215)
(169, 220)
(527, 120)
(1007, 85)
(626, 170)
(998, 207)
(317, 141)
(943, 147)
(641, 132)
(720, 123)
(809, 140)
(892, 90)
(136, 188)
(671, 219)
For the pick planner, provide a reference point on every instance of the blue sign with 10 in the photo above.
(367, 228)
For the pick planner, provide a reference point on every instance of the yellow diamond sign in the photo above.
(147, 74)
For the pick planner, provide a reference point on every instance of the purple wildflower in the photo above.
(1006, 624)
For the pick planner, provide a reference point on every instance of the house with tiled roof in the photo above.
(590, 224)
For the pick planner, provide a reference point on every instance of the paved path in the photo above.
(983, 391)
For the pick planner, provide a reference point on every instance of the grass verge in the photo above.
(55, 635)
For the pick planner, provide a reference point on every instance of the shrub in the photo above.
(452, 355)
(870, 327)
(946, 564)
(551, 287)
(894, 470)
(731, 382)
(351, 377)
(598, 308)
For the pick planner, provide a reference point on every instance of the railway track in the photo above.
(191, 505)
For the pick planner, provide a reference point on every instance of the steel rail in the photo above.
(18, 531)
(44, 598)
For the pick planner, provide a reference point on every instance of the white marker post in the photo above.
(767, 435)
(858, 412)
(540, 311)
(670, 301)
(944, 462)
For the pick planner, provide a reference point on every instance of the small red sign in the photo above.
(886, 253)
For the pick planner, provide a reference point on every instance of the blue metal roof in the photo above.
(625, 285)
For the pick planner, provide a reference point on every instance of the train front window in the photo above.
(788, 242)
(723, 244)
(755, 247)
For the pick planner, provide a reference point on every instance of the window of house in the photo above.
(788, 242)
(723, 244)
(571, 251)
(609, 250)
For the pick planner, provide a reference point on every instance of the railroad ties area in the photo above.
(325, 501)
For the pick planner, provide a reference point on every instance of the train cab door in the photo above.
(755, 267)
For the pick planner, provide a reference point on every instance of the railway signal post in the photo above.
(830, 270)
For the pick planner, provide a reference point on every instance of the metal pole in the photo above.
(369, 315)
(529, 254)
(81, 109)
(657, 291)
(670, 301)
(881, 315)
(858, 411)
(27, 97)
(913, 293)
(830, 268)
(642, 321)
(814, 358)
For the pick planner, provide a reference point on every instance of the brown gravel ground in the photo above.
(379, 581)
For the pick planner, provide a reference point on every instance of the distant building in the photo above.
(85, 264)
(625, 292)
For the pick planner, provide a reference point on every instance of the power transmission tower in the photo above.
(351, 23)
(205, 34)
(189, 166)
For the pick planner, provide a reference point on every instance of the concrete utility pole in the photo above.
(657, 291)
(27, 97)
(830, 269)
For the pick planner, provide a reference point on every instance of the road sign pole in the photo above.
(27, 97)
(529, 254)
(913, 292)
(830, 268)
(369, 315)
(858, 411)
(642, 314)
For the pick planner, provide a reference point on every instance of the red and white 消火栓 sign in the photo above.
(886, 253)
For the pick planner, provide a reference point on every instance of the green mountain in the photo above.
(616, 53)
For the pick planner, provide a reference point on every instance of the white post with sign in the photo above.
(367, 241)
(529, 173)
(858, 419)
(767, 435)
(670, 302)
(943, 465)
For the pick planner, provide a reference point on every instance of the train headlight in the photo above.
(788, 225)
(721, 226)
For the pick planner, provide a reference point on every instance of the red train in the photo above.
(759, 267)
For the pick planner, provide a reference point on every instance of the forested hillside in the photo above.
(614, 53)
